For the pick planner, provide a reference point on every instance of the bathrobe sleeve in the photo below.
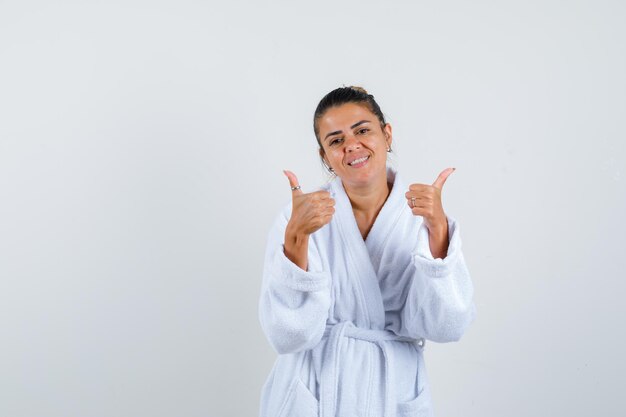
(439, 305)
(294, 303)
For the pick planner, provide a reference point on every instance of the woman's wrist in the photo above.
(438, 241)
(295, 237)
(297, 248)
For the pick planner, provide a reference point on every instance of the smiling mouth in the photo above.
(359, 162)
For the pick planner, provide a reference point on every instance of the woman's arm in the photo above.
(297, 248)
(439, 241)
(294, 302)
(439, 305)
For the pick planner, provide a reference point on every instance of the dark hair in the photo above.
(343, 95)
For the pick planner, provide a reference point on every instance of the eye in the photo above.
(334, 141)
(363, 130)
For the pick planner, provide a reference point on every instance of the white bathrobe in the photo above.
(350, 331)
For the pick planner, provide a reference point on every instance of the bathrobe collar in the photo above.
(365, 255)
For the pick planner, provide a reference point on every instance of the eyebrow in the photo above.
(336, 132)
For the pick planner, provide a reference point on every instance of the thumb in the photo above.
(441, 179)
(293, 182)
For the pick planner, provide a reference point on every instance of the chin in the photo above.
(365, 175)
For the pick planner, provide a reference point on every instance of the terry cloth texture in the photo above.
(350, 331)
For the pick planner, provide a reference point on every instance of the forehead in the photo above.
(343, 116)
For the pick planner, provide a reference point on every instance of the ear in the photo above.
(322, 154)
(388, 134)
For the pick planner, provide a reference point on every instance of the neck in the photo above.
(369, 199)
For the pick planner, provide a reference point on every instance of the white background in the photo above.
(141, 154)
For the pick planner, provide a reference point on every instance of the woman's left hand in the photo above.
(425, 200)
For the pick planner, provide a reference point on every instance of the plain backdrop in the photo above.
(141, 154)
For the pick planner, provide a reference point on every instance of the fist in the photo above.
(309, 212)
(425, 200)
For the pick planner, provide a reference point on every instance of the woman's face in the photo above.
(349, 133)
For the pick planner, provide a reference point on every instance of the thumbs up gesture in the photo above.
(425, 200)
(309, 211)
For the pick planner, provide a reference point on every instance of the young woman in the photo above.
(357, 275)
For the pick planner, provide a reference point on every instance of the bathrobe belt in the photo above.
(329, 378)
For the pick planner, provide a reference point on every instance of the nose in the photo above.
(352, 143)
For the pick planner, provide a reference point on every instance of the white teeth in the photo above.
(358, 161)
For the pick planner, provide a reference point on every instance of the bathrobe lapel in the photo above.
(365, 277)
(386, 219)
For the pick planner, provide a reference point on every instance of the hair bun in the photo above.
(359, 89)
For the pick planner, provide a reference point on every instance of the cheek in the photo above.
(376, 145)
(335, 155)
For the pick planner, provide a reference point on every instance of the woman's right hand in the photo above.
(309, 213)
